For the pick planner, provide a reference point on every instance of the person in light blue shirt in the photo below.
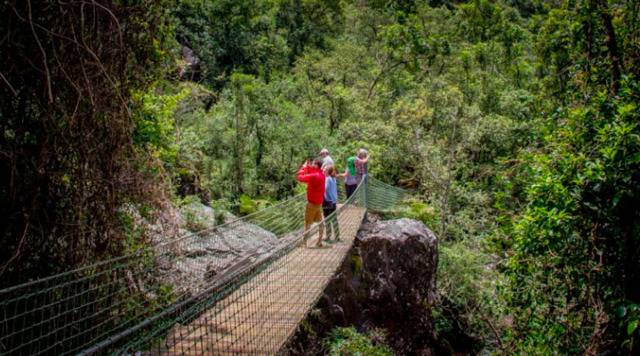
(329, 204)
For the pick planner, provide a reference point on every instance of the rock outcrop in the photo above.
(388, 281)
(191, 262)
(195, 243)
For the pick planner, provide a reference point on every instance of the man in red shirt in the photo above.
(312, 175)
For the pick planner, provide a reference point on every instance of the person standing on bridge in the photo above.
(311, 174)
(327, 161)
(361, 164)
(356, 169)
(350, 183)
(330, 203)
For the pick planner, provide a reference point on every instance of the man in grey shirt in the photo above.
(327, 161)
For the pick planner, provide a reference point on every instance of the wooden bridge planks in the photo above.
(259, 317)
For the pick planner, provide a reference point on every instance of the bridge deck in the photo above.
(261, 315)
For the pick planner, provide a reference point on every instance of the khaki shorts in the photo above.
(312, 213)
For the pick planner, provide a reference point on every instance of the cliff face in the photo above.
(388, 282)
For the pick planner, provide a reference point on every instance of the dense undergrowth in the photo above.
(514, 122)
(347, 341)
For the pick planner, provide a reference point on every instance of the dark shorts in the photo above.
(328, 208)
(350, 188)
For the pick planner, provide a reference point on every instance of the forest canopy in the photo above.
(514, 122)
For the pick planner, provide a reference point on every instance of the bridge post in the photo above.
(366, 194)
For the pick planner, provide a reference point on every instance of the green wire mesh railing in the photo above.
(241, 286)
(382, 196)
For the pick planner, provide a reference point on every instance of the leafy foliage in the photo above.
(581, 208)
(469, 310)
(67, 161)
(347, 341)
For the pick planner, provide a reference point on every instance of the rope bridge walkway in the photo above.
(206, 293)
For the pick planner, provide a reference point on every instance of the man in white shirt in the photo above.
(327, 161)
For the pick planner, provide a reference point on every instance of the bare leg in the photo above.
(305, 235)
(320, 233)
(327, 223)
(329, 228)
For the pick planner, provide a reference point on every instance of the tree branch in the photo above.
(8, 84)
(17, 253)
(44, 54)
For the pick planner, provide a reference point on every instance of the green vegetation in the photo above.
(67, 117)
(515, 123)
(347, 341)
(468, 310)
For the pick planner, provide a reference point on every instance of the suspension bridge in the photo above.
(247, 302)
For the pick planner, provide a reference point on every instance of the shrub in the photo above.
(468, 307)
(347, 341)
(416, 209)
(249, 205)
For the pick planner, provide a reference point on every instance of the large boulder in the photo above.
(388, 281)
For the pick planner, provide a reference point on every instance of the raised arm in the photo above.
(303, 173)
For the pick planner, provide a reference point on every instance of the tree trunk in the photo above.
(259, 155)
(237, 159)
(612, 44)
